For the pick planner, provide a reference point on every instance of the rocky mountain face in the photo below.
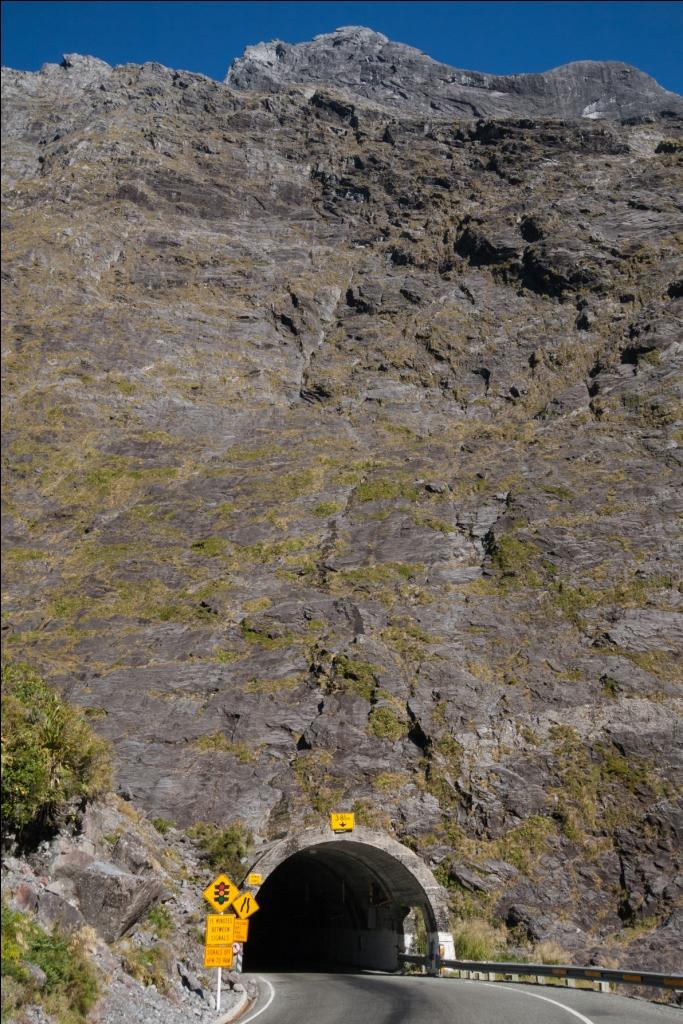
(343, 458)
(363, 63)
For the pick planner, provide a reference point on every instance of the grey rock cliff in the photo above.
(366, 64)
(343, 465)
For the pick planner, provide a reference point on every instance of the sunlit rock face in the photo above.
(342, 457)
(401, 78)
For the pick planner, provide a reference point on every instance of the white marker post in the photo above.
(237, 948)
(218, 989)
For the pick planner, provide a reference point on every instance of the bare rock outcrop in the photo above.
(367, 64)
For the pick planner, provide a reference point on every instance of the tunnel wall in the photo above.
(377, 947)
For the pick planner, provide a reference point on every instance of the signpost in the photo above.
(225, 933)
(219, 930)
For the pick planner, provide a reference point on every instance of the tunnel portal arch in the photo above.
(342, 898)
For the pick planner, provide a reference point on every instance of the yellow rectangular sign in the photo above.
(342, 822)
(241, 932)
(220, 929)
(245, 905)
(218, 956)
(254, 879)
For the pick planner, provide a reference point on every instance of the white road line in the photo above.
(523, 992)
(272, 996)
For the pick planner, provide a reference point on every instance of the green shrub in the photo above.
(353, 676)
(525, 844)
(150, 965)
(610, 686)
(254, 634)
(162, 825)
(571, 601)
(385, 490)
(224, 849)
(160, 920)
(216, 742)
(550, 952)
(385, 724)
(326, 508)
(50, 756)
(209, 546)
(513, 557)
(408, 639)
(70, 988)
(476, 939)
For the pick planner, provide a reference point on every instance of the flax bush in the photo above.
(50, 755)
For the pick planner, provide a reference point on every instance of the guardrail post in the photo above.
(434, 960)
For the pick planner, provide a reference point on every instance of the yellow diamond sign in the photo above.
(245, 905)
(221, 893)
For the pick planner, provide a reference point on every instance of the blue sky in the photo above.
(499, 37)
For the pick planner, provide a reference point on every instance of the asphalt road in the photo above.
(388, 999)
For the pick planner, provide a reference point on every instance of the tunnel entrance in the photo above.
(335, 902)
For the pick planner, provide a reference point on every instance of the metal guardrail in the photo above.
(667, 981)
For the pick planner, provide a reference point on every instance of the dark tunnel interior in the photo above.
(326, 908)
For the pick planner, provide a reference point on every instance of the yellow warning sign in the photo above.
(254, 879)
(245, 905)
(241, 932)
(342, 822)
(221, 893)
(218, 956)
(220, 929)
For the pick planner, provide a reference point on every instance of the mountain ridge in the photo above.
(589, 89)
(357, 60)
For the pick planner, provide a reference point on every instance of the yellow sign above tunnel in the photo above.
(342, 822)
(221, 893)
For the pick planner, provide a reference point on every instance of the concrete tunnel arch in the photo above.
(342, 899)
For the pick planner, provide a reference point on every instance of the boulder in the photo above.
(110, 899)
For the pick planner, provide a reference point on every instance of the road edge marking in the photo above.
(272, 996)
(535, 995)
